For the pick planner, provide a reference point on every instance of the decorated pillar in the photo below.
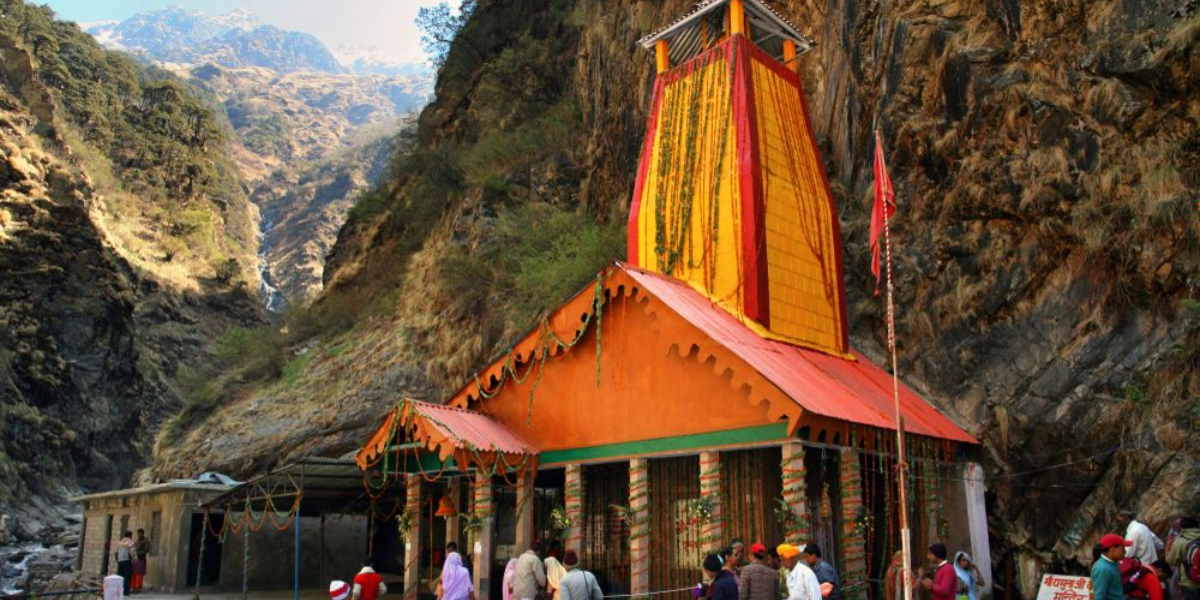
(795, 494)
(639, 526)
(454, 524)
(713, 532)
(412, 537)
(574, 506)
(482, 525)
(524, 510)
(854, 545)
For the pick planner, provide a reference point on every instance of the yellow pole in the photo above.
(662, 56)
(789, 55)
(737, 17)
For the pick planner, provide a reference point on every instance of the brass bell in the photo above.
(446, 508)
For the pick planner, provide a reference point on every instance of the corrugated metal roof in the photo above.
(469, 430)
(830, 386)
(761, 16)
(158, 488)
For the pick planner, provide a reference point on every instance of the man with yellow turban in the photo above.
(802, 582)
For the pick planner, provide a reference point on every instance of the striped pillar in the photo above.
(795, 492)
(639, 530)
(482, 507)
(854, 544)
(525, 510)
(712, 535)
(574, 501)
(412, 540)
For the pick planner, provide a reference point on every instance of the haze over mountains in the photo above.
(293, 105)
(240, 39)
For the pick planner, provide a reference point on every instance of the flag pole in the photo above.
(901, 465)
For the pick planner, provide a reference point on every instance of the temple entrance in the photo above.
(676, 545)
(605, 550)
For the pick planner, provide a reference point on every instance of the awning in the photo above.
(467, 436)
(312, 486)
(850, 390)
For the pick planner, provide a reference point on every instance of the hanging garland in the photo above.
(546, 344)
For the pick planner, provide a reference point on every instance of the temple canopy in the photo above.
(467, 436)
(705, 24)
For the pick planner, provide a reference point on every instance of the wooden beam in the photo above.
(662, 56)
(737, 17)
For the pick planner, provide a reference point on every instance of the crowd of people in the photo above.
(789, 572)
(1140, 565)
(1135, 566)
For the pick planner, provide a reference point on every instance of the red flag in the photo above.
(885, 199)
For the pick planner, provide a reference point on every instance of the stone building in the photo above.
(170, 515)
(704, 390)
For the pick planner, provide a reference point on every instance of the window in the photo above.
(155, 526)
(124, 526)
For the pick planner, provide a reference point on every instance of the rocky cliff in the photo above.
(118, 270)
(1045, 155)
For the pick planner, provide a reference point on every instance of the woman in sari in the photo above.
(456, 581)
(554, 574)
(969, 577)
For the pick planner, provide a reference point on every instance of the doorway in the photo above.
(208, 565)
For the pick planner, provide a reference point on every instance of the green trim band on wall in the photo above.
(699, 441)
(775, 432)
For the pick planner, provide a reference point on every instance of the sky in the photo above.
(384, 24)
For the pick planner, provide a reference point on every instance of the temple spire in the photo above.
(731, 195)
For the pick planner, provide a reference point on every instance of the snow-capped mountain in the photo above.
(235, 39)
(369, 60)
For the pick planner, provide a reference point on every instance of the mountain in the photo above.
(368, 60)
(304, 207)
(1045, 156)
(171, 32)
(236, 39)
(128, 250)
(294, 111)
(318, 131)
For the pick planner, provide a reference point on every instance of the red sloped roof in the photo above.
(469, 430)
(448, 430)
(850, 390)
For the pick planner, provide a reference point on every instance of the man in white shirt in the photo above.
(1145, 544)
(801, 580)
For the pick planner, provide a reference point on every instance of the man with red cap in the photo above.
(759, 582)
(1106, 574)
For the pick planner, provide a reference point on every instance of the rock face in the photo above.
(1047, 245)
(73, 398)
(90, 341)
(302, 211)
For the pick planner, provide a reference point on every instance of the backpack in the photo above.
(1191, 560)
(1130, 579)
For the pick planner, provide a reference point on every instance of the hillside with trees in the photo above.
(128, 250)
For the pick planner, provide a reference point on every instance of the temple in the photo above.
(705, 389)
